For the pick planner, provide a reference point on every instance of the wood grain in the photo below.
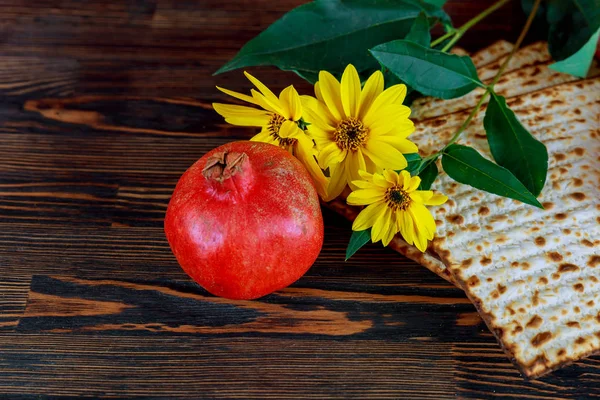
(103, 105)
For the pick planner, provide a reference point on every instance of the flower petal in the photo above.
(330, 155)
(413, 183)
(367, 217)
(263, 136)
(373, 88)
(361, 184)
(237, 95)
(304, 154)
(289, 129)
(385, 119)
(232, 110)
(407, 228)
(437, 199)
(350, 91)
(330, 90)
(423, 219)
(391, 231)
(381, 225)
(267, 104)
(317, 113)
(420, 195)
(355, 162)
(380, 181)
(404, 146)
(405, 178)
(403, 128)
(270, 96)
(362, 197)
(391, 176)
(337, 181)
(290, 102)
(392, 95)
(384, 155)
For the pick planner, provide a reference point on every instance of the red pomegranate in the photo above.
(245, 220)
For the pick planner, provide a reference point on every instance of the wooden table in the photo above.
(103, 106)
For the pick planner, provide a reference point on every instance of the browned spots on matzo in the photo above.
(543, 280)
(587, 243)
(541, 338)
(540, 241)
(579, 151)
(501, 288)
(577, 182)
(578, 196)
(455, 219)
(497, 218)
(567, 267)
(573, 324)
(473, 281)
(560, 216)
(555, 256)
(535, 322)
(466, 263)
(536, 298)
(580, 340)
(485, 260)
(560, 157)
(594, 261)
(578, 287)
(548, 205)
(561, 352)
(483, 210)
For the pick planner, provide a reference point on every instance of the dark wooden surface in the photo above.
(102, 106)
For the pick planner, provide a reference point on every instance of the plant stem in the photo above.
(490, 87)
(439, 40)
(517, 44)
(458, 33)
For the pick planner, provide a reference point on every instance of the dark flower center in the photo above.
(397, 198)
(350, 134)
(274, 126)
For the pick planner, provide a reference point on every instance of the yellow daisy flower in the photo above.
(278, 119)
(395, 205)
(358, 128)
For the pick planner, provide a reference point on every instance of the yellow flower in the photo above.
(395, 205)
(278, 119)
(358, 129)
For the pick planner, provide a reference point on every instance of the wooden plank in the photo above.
(272, 367)
(14, 290)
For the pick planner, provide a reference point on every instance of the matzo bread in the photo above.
(533, 274)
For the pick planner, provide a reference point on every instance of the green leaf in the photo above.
(579, 63)
(439, 3)
(414, 160)
(513, 147)
(419, 31)
(428, 175)
(571, 24)
(467, 166)
(330, 34)
(357, 240)
(429, 71)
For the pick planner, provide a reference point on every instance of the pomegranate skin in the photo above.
(245, 220)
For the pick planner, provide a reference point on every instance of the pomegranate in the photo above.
(244, 220)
